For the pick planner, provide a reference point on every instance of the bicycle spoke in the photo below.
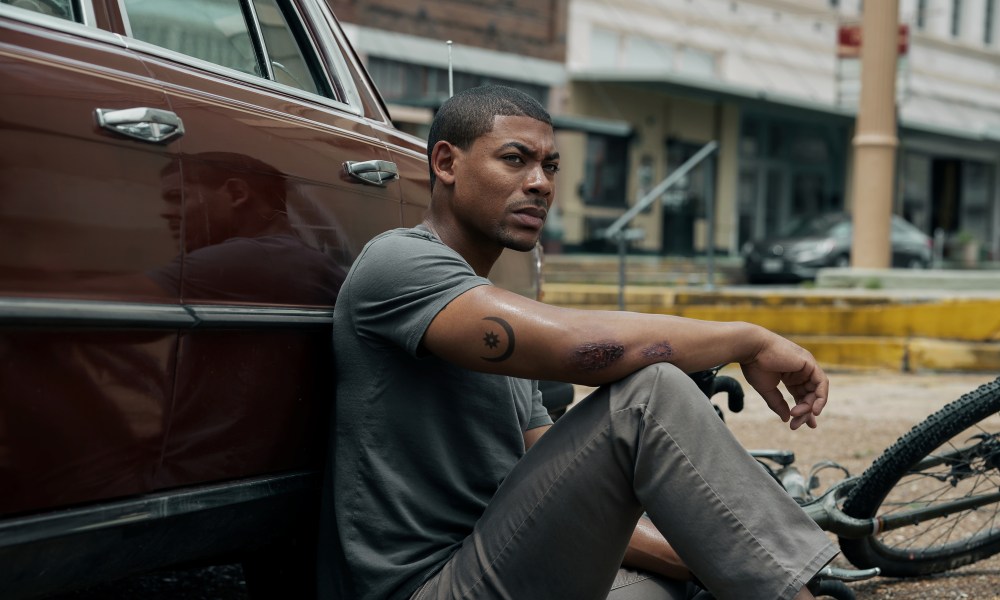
(955, 471)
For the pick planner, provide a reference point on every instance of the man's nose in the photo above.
(538, 182)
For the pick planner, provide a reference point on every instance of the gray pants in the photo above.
(560, 522)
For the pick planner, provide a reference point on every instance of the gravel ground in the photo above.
(866, 414)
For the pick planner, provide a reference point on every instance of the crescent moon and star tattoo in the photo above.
(492, 340)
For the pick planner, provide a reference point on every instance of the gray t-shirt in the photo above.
(421, 445)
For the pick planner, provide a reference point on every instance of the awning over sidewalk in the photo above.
(919, 113)
(592, 125)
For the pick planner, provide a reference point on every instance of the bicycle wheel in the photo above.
(951, 456)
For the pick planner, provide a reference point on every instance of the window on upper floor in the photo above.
(612, 49)
(956, 18)
(988, 17)
(921, 16)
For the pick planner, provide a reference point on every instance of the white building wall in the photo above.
(787, 50)
(772, 46)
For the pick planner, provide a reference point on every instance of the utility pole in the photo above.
(875, 139)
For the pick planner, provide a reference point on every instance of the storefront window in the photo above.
(605, 171)
(685, 205)
(788, 170)
(977, 185)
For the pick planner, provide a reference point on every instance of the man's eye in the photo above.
(513, 158)
(552, 168)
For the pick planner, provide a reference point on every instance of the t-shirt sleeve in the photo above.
(400, 283)
(539, 414)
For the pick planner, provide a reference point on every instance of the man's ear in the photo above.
(238, 191)
(443, 162)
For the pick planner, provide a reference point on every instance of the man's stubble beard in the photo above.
(508, 240)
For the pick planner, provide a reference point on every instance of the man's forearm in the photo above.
(495, 331)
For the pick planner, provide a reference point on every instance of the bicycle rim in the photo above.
(953, 455)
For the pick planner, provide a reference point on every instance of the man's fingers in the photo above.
(809, 419)
(777, 403)
(802, 408)
(818, 404)
(822, 393)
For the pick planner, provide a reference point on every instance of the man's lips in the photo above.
(531, 216)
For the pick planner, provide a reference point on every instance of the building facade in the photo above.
(637, 87)
(772, 82)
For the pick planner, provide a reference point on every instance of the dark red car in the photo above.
(183, 185)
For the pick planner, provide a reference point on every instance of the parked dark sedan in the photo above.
(810, 244)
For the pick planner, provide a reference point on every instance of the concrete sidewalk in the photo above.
(904, 328)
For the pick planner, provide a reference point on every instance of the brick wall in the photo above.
(535, 28)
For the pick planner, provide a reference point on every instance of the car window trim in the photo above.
(300, 33)
(247, 78)
(333, 44)
(86, 8)
(257, 37)
(88, 26)
(351, 104)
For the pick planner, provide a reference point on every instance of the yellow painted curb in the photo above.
(855, 352)
(946, 355)
(911, 355)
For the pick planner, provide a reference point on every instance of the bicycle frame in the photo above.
(825, 509)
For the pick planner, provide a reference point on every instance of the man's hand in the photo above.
(780, 361)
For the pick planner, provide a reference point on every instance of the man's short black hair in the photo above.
(469, 114)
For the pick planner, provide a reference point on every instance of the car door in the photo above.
(271, 110)
(84, 372)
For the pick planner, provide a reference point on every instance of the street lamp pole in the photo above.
(875, 139)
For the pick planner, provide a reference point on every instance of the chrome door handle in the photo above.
(142, 123)
(375, 172)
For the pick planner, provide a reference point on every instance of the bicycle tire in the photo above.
(896, 479)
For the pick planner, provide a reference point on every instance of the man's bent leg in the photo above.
(734, 526)
(559, 525)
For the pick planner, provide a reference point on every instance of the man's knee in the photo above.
(659, 379)
(650, 387)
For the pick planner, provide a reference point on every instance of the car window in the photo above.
(64, 9)
(905, 231)
(224, 32)
(841, 230)
(812, 225)
(289, 64)
(212, 30)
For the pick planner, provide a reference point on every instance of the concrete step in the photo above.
(640, 270)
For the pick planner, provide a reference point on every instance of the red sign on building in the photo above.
(849, 40)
